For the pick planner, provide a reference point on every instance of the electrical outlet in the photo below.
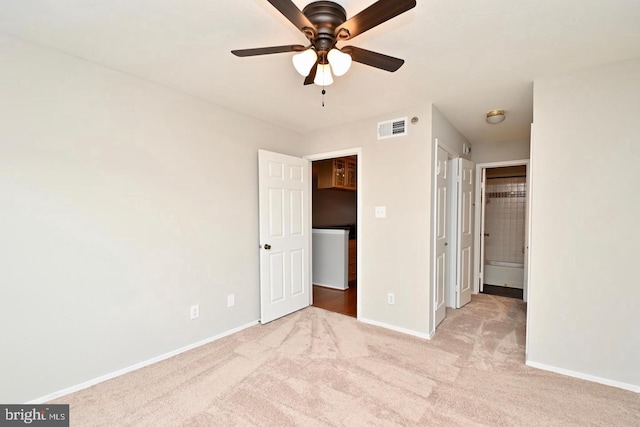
(381, 212)
(391, 298)
(195, 311)
(231, 300)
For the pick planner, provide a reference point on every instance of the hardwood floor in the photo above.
(343, 302)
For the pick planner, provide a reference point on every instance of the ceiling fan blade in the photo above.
(268, 50)
(312, 74)
(293, 14)
(373, 59)
(379, 12)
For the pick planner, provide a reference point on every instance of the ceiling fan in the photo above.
(325, 23)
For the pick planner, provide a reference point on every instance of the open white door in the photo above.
(285, 277)
(464, 263)
(481, 234)
(442, 234)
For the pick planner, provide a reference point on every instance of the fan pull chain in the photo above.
(323, 92)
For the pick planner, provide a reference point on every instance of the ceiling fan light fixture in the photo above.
(324, 23)
(495, 116)
(304, 61)
(323, 75)
(340, 61)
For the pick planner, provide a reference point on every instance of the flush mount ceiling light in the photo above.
(324, 24)
(495, 116)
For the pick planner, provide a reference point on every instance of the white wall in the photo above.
(501, 151)
(395, 251)
(447, 135)
(584, 290)
(123, 203)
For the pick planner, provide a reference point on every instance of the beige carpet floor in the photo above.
(317, 368)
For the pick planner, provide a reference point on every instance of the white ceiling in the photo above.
(465, 56)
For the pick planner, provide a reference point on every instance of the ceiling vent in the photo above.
(392, 128)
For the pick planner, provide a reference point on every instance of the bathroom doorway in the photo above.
(502, 224)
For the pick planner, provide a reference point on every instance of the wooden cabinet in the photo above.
(353, 246)
(338, 173)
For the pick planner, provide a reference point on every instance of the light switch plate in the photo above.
(381, 211)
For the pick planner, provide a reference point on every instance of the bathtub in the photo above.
(501, 273)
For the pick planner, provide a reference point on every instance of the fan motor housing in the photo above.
(325, 16)
(325, 13)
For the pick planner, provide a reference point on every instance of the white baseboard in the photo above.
(131, 368)
(332, 286)
(631, 387)
(397, 328)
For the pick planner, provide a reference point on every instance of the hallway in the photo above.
(338, 301)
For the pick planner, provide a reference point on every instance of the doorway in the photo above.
(501, 261)
(335, 202)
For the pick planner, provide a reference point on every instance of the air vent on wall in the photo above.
(392, 128)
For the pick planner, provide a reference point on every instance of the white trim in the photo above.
(137, 366)
(332, 286)
(625, 386)
(357, 151)
(432, 243)
(528, 241)
(452, 153)
(504, 164)
(398, 329)
(333, 154)
(478, 230)
(320, 230)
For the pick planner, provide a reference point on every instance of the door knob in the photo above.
(267, 246)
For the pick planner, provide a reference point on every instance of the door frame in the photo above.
(357, 151)
(478, 241)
